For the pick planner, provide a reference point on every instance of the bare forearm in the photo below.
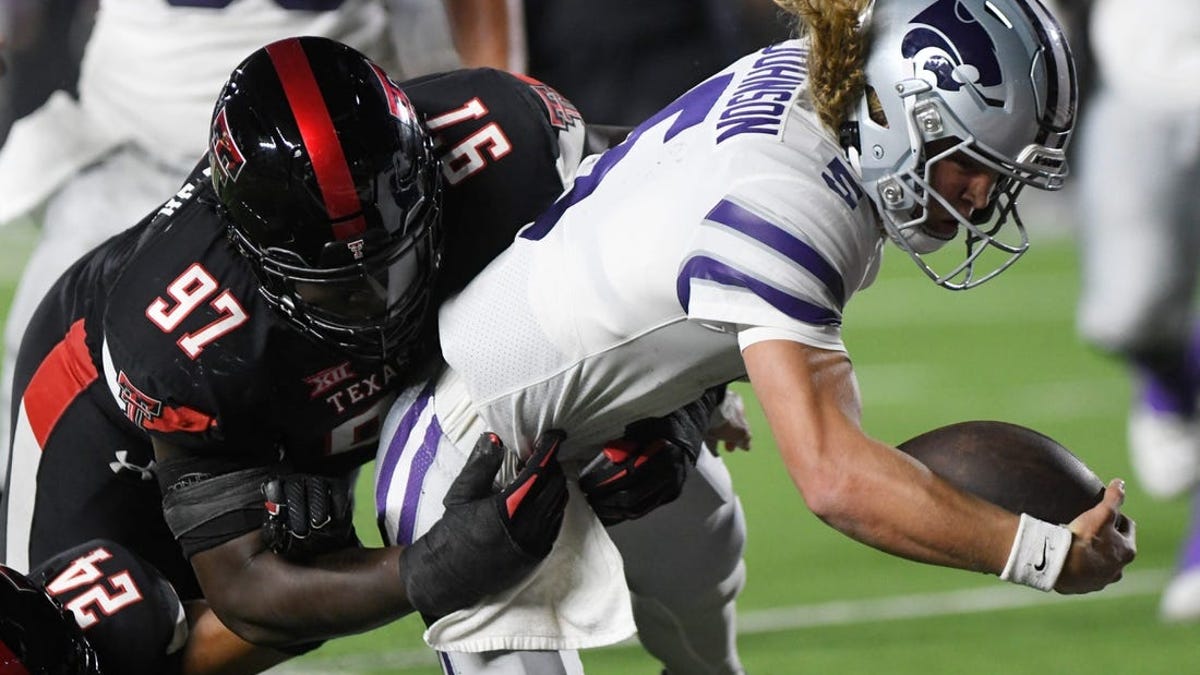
(270, 601)
(893, 504)
(864, 488)
(480, 31)
(212, 649)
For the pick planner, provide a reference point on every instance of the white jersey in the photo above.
(730, 217)
(151, 72)
(153, 68)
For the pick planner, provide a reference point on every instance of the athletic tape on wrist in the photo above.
(1038, 554)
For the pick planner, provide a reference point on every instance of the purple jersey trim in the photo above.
(777, 239)
(703, 267)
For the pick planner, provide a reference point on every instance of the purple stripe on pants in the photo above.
(416, 476)
(396, 447)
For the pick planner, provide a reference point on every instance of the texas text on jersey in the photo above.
(167, 319)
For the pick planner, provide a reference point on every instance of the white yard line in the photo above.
(836, 613)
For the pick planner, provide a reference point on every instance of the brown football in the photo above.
(1010, 465)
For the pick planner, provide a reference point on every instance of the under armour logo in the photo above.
(124, 465)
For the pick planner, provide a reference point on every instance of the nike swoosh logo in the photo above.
(1042, 565)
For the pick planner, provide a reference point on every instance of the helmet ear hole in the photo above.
(875, 108)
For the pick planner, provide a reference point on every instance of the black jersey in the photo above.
(193, 354)
(128, 612)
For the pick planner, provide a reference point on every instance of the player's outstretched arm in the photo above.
(880, 496)
(481, 32)
(487, 540)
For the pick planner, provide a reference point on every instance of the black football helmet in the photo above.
(38, 636)
(329, 186)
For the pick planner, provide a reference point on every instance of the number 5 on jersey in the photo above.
(189, 290)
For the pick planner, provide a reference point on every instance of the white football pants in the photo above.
(683, 562)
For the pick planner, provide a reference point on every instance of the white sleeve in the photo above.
(780, 253)
(756, 334)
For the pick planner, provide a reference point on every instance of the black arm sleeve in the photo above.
(206, 505)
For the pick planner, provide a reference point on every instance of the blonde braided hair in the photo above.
(838, 53)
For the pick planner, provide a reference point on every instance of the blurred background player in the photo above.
(622, 61)
(1140, 242)
(41, 42)
(86, 167)
(722, 239)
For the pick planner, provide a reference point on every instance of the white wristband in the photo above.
(1038, 553)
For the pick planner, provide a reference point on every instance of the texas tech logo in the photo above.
(563, 114)
(398, 103)
(139, 408)
(150, 413)
(225, 152)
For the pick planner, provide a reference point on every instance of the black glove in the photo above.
(488, 539)
(647, 467)
(307, 515)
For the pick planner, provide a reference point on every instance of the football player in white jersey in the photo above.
(86, 169)
(1140, 239)
(723, 239)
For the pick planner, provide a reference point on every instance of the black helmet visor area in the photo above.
(369, 301)
(363, 294)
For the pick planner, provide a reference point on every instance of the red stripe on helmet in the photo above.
(319, 136)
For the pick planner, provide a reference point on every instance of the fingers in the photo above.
(541, 481)
(317, 493)
(1114, 494)
(545, 448)
(477, 475)
(533, 503)
(1096, 518)
(339, 499)
(297, 507)
(1114, 498)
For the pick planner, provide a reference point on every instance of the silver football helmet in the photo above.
(994, 82)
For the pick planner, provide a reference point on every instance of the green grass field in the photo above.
(817, 602)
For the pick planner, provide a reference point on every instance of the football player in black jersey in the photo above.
(255, 328)
(96, 608)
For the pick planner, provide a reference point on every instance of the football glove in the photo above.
(307, 515)
(646, 468)
(488, 539)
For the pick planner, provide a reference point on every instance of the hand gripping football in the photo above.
(1011, 466)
